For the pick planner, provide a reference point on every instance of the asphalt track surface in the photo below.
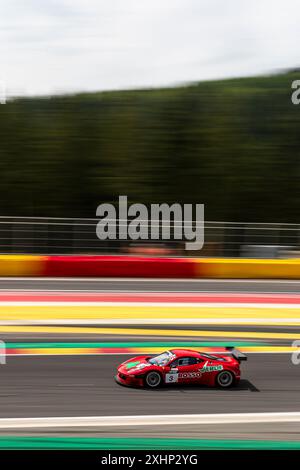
(85, 386)
(147, 285)
(35, 386)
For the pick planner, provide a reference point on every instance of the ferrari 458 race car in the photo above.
(182, 366)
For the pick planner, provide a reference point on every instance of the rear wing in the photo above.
(238, 355)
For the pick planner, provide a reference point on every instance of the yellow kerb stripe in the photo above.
(147, 332)
(48, 312)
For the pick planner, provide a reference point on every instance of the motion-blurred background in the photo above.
(230, 144)
(185, 130)
(163, 101)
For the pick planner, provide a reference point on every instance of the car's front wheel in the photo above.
(153, 379)
(225, 379)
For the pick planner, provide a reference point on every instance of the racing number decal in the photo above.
(171, 378)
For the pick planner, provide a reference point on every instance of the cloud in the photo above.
(71, 45)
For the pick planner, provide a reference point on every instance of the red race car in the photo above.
(182, 366)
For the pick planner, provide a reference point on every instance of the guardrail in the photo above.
(29, 235)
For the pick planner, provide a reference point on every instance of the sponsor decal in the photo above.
(173, 377)
(171, 356)
(211, 368)
(132, 364)
(190, 375)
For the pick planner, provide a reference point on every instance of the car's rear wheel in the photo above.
(153, 379)
(225, 379)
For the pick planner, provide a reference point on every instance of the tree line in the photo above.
(233, 145)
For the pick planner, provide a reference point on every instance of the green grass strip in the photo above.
(164, 344)
(104, 443)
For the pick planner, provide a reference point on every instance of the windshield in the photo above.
(162, 359)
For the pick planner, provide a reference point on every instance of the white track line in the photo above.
(149, 420)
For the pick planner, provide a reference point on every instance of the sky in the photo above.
(58, 46)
